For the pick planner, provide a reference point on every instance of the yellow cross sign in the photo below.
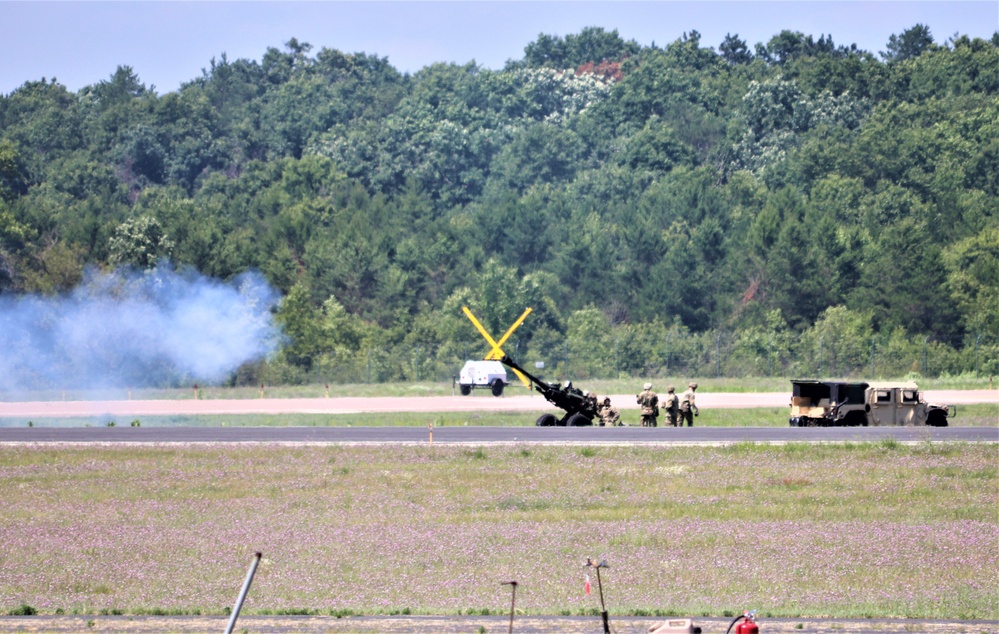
(497, 351)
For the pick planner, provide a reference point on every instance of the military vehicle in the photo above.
(482, 374)
(836, 404)
(580, 411)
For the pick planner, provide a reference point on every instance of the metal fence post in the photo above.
(667, 352)
(926, 344)
(617, 371)
(873, 340)
(770, 357)
(978, 367)
(821, 337)
(567, 360)
(718, 356)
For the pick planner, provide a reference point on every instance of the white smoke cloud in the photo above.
(134, 329)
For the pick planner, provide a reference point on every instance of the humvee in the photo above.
(834, 404)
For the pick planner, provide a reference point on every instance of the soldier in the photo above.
(688, 409)
(672, 406)
(609, 416)
(649, 401)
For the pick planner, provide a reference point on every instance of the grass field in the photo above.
(874, 529)
(978, 415)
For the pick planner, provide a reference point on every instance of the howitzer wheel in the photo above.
(546, 420)
(579, 420)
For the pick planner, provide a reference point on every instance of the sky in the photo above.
(168, 43)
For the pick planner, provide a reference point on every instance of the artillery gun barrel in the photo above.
(569, 399)
(541, 386)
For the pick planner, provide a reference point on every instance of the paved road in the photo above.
(482, 435)
(353, 405)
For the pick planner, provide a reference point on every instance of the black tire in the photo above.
(937, 418)
(465, 389)
(546, 420)
(854, 419)
(497, 388)
(579, 420)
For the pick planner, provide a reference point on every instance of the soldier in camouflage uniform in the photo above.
(609, 416)
(671, 404)
(688, 409)
(649, 401)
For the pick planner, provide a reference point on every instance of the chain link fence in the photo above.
(638, 354)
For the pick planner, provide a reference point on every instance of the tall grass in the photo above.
(844, 530)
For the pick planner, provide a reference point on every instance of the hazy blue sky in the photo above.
(167, 43)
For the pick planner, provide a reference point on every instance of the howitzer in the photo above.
(579, 410)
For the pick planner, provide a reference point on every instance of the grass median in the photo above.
(847, 530)
(978, 415)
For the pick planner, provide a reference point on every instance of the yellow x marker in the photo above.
(497, 350)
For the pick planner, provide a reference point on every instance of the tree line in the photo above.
(782, 208)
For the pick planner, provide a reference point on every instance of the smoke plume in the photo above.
(132, 329)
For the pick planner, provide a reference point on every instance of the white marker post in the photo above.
(242, 593)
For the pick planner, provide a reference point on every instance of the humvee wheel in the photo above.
(855, 419)
(497, 388)
(545, 420)
(465, 389)
(937, 418)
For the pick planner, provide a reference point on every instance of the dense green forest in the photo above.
(794, 207)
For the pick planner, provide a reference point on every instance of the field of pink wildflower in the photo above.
(839, 530)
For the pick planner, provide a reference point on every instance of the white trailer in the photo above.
(483, 374)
